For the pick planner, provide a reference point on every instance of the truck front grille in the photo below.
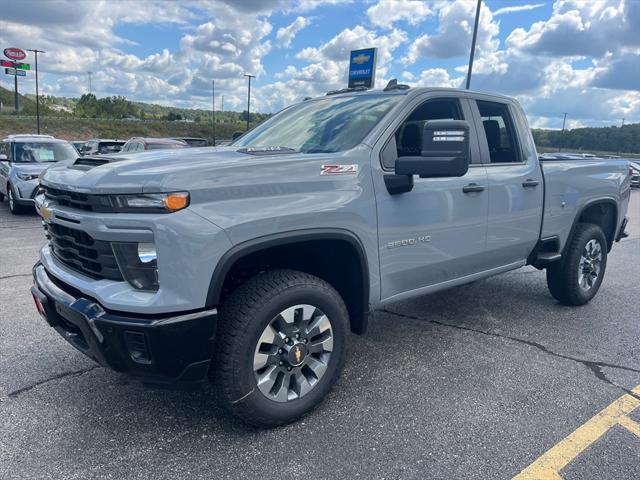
(79, 251)
(81, 201)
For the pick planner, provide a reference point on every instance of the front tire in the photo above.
(280, 348)
(14, 208)
(576, 279)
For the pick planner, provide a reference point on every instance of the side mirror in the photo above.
(3, 156)
(445, 151)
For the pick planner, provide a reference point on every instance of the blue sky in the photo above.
(578, 56)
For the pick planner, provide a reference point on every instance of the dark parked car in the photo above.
(102, 147)
(140, 144)
(193, 141)
(634, 171)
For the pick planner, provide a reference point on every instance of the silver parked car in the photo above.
(22, 159)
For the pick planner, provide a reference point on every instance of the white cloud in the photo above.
(455, 28)
(517, 8)
(386, 12)
(285, 35)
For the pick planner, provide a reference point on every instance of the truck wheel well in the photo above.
(339, 262)
(604, 215)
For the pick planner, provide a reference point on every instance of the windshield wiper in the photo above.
(267, 150)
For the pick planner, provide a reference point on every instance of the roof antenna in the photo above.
(392, 83)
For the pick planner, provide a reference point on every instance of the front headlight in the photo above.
(151, 202)
(27, 176)
(138, 263)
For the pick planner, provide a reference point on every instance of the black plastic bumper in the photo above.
(162, 349)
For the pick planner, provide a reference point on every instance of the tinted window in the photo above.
(409, 135)
(499, 133)
(331, 124)
(44, 152)
(109, 147)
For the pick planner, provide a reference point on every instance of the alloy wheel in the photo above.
(293, 353)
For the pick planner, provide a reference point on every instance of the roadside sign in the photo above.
(21, 66)
(13, 71)
(362, 68)
(15, 53)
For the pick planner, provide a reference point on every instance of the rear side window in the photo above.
(499, 132)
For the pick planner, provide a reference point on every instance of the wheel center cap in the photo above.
(297, 354)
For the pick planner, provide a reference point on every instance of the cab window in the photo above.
(499, 132)
(408, 137)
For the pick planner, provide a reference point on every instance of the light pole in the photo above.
(249, 97)
(36, 51)
(213, 111)
(473, 44)
(89, 73)
(562, 133)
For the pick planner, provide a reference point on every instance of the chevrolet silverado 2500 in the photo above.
(248, 265)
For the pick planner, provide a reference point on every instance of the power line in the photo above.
(36, 52)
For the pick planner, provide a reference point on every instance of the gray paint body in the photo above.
(236, 197)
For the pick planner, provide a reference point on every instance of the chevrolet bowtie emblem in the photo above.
(360, 59)
(45, 212)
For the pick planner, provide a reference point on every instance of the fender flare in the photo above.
(240, 250)
(576, 220)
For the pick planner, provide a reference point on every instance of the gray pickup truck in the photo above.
(248, 265)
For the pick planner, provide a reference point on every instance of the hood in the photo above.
(171, 170)
(32, 168)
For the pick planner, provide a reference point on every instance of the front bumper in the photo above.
(25, 191)
(176, 348)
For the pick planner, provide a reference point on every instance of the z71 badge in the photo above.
(339, 169)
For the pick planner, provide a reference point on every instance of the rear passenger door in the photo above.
(516, 185)
(436, 232)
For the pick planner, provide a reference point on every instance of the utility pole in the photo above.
(36, 51)
(222, 105)
(473, 44)
(213, 111)
(622, 123)
(249, 97)
(89, 73)
(562, 133)
(15, 91)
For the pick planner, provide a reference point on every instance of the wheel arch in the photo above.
(602, 212)
(335, 255)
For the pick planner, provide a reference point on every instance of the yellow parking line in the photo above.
(549, 465)
(631, 425)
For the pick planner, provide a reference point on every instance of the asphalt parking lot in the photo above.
(481, 381)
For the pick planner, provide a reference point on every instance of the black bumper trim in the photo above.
(180, 345)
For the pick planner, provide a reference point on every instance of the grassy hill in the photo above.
(71, 128)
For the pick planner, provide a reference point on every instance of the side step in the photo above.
(545, 258)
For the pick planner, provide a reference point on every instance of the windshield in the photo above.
(321, 126)
(44, 152)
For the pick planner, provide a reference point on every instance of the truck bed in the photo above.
(571, 185)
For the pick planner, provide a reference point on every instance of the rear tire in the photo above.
(576, 279)
(263, 378)
(14, 208)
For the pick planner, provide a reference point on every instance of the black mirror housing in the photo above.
(444, 153)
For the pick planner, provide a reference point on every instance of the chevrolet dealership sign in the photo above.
(362, 68)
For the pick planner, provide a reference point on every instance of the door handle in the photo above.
(472, 187)
(530, 183)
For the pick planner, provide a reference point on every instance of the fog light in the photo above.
(147, 252)
(138, 263)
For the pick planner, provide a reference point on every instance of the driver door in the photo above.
(437, 232)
